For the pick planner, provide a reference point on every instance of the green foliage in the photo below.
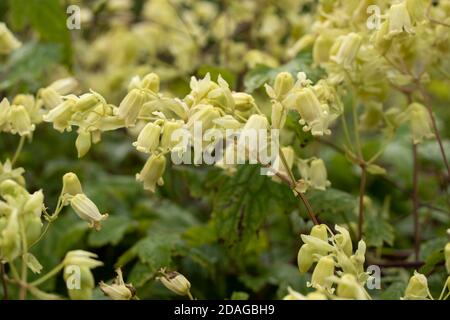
(48, 19)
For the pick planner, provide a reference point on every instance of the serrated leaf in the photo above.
(333, 205)
(27, 65)
(377, 231)
(244, 201)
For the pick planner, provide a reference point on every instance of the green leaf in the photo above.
(27, 66)
(140, 274)
(375, 169)
(48, 18)
(432, 260)
(333, 205)
(244, 201)
(113, 230)
(394, 291)
(262, 74)
(377, 231)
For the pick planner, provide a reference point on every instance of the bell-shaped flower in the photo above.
(417, 288)
(151, 173)
(131, 105)
(20, 121)
(148, 139)
(8, 42)
(87, 210)
(175, 282)
(323, 273)
(118, 289)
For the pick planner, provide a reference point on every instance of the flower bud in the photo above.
(35, 203)
(50, 97)
(417, 288)
(323, 271)
(346, 48)
(175, 282)
(87, 210)
(283, 84)
(33, 228)
(305, 258)
(86, 102)
(167, 139)
(10, 238)
(278, 117)
(320, 231)
(83, 142)
(322, 47)
(61, 115)
(243, 101)
(131, 105)
(206, 114)
(343, 240)
(64, 86)
(20, 121)
(306, 103)
(349, 288)
(318, 174)
(151, 173)
(118, 290)
(7, 40)
(79, 285)
(151, 82)
(399, 20)
(420, 122)
(81, 258)
(148, 139)
(71, 184)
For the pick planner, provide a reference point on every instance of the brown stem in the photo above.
(299, 195)
(415, 199)
(395, 264)
(362, 189)
(436, 131)
(308, 208)
(4, 284)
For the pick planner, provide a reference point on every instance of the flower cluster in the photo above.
(336, 263)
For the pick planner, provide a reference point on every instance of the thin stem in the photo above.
(190, 295)
(47, 276)
(308, 208)
(302, 197)
(362, 190)
(18, 150)
(346, 132)
(4, 284)
(24, 271)
(436, 131)
(415, 199)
